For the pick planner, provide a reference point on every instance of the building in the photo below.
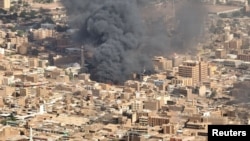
(220, 53)
(43, 34)
(5, 4)
(203, 71)
(235, 44)
(168, 129)
(137, 105)
(244, 57)
(183, 81)
(153, 105)
(157, 121)
(190, 69)
(197, 70)
(161, 63)
(33, 62)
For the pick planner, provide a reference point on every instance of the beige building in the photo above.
(6, 91)
(18, 40)
(203, 71)
(186, 81)
(235, 44)
(198, 71)
(161, 63)
(157, 120)
(137, 105)
(190, 69)
(33, 62)
(43, 34)
(220, 53)
(244, 57)
(5, 4)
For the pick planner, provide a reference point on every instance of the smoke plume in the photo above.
(123, 39)
(240, 92)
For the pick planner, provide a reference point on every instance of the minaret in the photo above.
(31, 135)
(82, 58)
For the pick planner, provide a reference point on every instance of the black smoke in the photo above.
(122, 40)
(240, 92)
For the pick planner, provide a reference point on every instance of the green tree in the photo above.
(20, 32)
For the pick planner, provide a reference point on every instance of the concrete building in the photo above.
(168, 129)
(33, 62)
(137, 105)
(157, 121)
(190, 69)
(5, 4)
(235, 44)
(203, 71)
(183, 81)
(244, 57)
(161, 63)
(43, 34)
(197, 70)
(220, 53)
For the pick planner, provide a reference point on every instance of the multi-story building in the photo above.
(157, 121)
(235, 44)
(203, 71)
(33, 62)
(137, 105)
(244, 57)
(43, 34)
(161, 63)
(18, 40)
(186, 81)
(5, 4)
(190, 69)
(220, 53)
(197, 70)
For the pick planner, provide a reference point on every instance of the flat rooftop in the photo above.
(47, 6)
(216, 9)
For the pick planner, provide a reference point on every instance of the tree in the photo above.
(20, 33)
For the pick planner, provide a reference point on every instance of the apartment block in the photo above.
(161, 63)
(197, 70)
(244, 57)
(220, 53)
(157, 120)
(43, 34)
